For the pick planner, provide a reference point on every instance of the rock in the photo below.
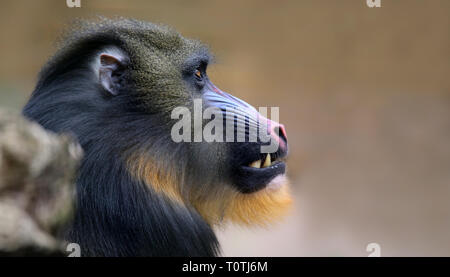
(37, 186)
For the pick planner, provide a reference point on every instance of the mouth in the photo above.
(269, 161)
(260, 171)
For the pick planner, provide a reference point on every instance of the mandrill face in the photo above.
(251, 172)
(225, 158)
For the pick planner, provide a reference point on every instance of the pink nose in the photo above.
(281, 131)
(278, 132)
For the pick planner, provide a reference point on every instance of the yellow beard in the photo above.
(261, 208)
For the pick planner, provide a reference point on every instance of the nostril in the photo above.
(281, 132)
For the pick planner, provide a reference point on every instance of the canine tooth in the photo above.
(256, 164)
(267, 161)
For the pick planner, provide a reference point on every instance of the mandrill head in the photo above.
(150, 121)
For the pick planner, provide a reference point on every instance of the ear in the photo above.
(111, 71)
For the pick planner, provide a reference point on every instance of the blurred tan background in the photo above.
(364, 94)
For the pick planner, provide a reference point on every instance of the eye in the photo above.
(198, 74)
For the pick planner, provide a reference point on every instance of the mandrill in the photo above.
(114, 85)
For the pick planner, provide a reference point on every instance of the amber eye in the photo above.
(198, 74)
